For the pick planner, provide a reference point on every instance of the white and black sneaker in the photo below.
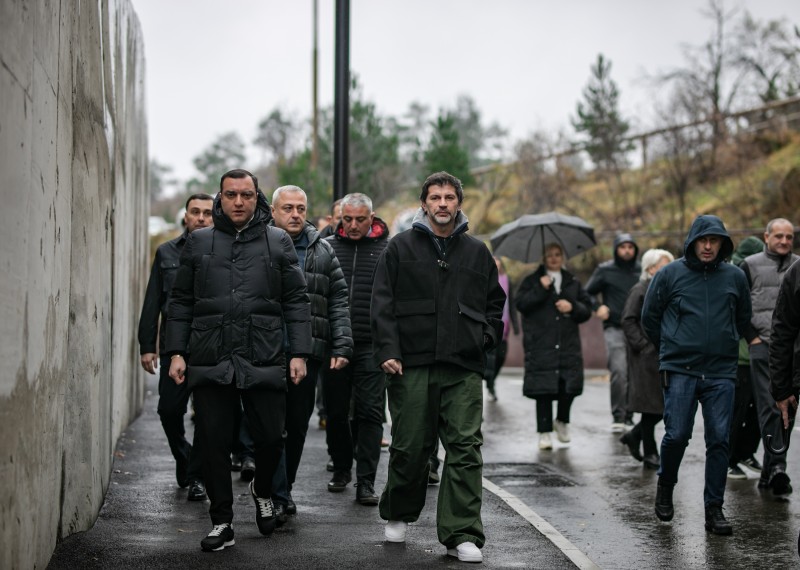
(220, 537)
(265, 512)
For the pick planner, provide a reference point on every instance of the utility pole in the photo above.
(315, 85)
(341, 103)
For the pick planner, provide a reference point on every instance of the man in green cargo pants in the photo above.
(436, 309)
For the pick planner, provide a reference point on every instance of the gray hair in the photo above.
(357, 199)
(651, 258)
(778, 221)
(289, 188)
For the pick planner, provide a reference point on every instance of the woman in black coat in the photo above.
(644, 385)
(553, 304)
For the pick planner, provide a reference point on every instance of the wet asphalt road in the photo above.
(591, 491)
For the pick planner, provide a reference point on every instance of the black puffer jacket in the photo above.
(233, 293)
(552, 340)
(327, 291)
(358, 259)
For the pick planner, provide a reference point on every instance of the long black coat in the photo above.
(552, 340)
(644, 385)
(233, 295)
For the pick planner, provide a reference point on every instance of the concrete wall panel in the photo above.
(73, 162)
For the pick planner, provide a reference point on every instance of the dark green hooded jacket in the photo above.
(696, 312)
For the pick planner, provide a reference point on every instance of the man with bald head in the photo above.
(765, 272)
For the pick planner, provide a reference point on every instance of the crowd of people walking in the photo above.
(255, 313)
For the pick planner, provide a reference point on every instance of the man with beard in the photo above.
(239, 286)
(437, 308)
(613, 281)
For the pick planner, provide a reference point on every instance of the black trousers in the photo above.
(300, 402)
(363, 383)
(544, 411)
(217, 409)
(172, 402)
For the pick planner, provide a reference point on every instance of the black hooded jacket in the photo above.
(233, 293)
(613, 280)
(436, 300)
(695, 312)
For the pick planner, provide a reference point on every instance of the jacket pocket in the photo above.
(469, 333)
(168, 271)
(205, 341)
(266, 339)
(416, 325)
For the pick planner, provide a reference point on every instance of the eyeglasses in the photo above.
(246, 196)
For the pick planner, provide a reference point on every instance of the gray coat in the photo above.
(644, 385)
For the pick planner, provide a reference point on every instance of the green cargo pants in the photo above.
(426, 402)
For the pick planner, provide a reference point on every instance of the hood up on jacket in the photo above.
(224, 223)
(422, 222)
(702, 226)
(747, 247)
(618, 241)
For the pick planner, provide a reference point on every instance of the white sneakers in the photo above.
(545, 441)
(395, 531)
(562, 431)
(466, 552)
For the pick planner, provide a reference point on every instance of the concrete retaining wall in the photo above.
(73, 166)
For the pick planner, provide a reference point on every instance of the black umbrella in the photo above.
(525, 238)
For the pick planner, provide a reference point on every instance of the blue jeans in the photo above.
(680, 406)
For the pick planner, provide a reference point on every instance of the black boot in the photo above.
(633, 439)
(716, 522)
(664, 509)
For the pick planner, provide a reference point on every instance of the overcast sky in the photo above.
(215, 67)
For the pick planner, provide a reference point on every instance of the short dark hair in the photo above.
(238, 173)
(442, 179)
(333, 206)
(199, 196)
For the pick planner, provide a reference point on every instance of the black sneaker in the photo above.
(664, 509)
(265, 513)
(248, 469)
(220, 537)
(197, 491)
(329, 466)
(365, 494)
(736, 473)
(433, 477)
(339, 481)
(752, 464)
(291, 507)
(236, 463)
(779, 482)
(716, 522)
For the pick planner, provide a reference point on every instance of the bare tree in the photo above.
(770, 54)
(681, 149)
(712, 76)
